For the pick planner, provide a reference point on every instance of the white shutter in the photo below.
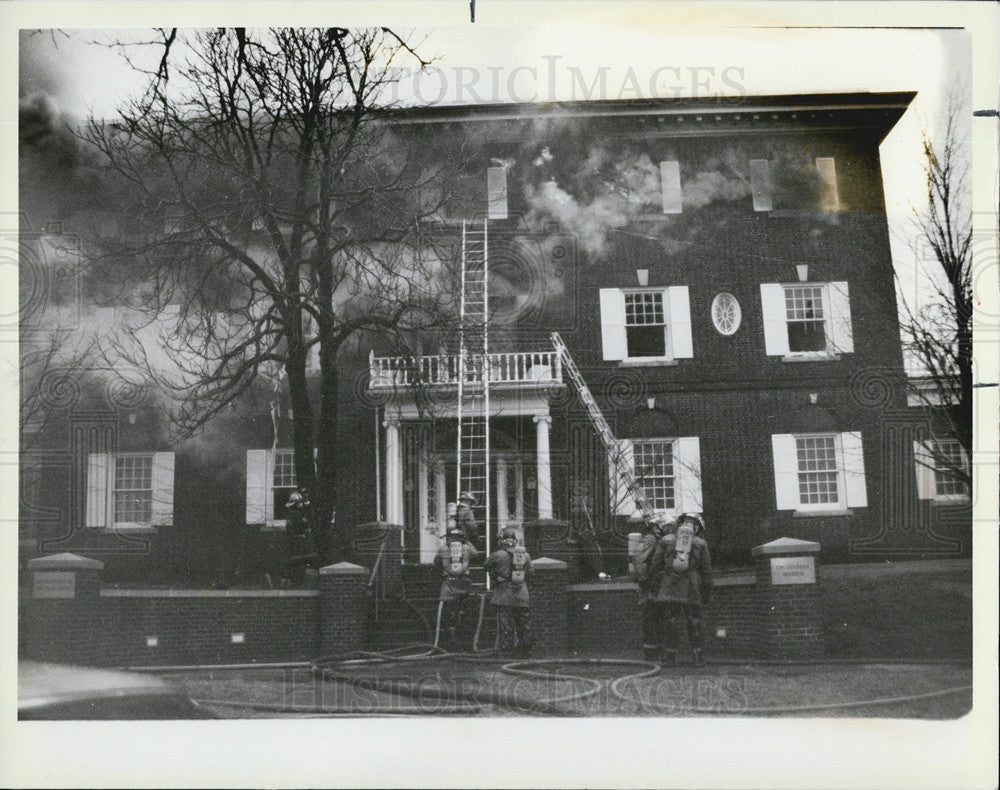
(687, 473)
(163, 489)
(854, 469)
(98, 487)
(622, 499)
(258, 486)
(613, 323)
(760, 185)
(841, 336)
(828, 199)
(496, 192)
(786, 471)
(772, 307)
(680, 322)
(923, 456)
(670, 187)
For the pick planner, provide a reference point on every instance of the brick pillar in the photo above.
(549, 611)
(788, 599)
(62, 616)
(343, 608)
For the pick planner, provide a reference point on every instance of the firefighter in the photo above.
(467, 520)
(453, 560)
(300, 551)
(509, 567)
(641, 572)
(685, 569)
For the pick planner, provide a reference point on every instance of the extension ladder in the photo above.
(624, 470)
(473, 404)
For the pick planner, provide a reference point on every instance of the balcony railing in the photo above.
(526, 368)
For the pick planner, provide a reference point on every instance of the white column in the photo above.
(393, 472)
(440, 497)
(544, 466)
(502, 515)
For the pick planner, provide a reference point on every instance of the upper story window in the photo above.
(807, 320)
(646, 324)
(496, 192)
(670, 187)
(760, 185)
(819, 472)
(829, 198)
(130, 490)
(942, 467)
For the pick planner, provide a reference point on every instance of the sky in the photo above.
(680, 48)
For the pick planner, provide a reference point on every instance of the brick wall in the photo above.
(343, 612)
(189, 627)
(549, 606)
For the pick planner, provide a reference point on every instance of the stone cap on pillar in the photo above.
(784, 547)
(548, 564)
(341, 569)
(64, 562)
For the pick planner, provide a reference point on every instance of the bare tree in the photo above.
(938, 331)
(272, 211)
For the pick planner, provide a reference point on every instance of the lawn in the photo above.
(898, 610)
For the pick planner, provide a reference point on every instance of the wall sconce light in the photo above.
(642, 275)
(813, 397)
(651, 402)
(803, 270)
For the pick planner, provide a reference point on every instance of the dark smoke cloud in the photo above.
(56, 176)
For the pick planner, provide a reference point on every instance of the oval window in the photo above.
(726, 313)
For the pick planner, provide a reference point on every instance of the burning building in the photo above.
(720, 273)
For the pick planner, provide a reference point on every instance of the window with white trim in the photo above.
(646, 324)
(130, 490)
(270, 482)
(942, 467)
(819, 472)
(807, 320)
(654, 468)
(133, 489)
(666, 471)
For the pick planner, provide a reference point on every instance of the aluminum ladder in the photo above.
(624, 471)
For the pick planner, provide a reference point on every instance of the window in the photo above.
(670, 187)
(130, 490)
(804, 318)
(270, 481)
(282, 481)
(829, 200)
(654, 467)
(666, 471)
(133, 491)
(496, 192)
(819, 472)
(726, 314)
(646, 324)
(807, 320)
(942, 466)
(760, 185)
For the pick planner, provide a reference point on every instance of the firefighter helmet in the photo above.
(694, 518)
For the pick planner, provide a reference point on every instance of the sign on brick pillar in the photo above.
(343, 609)
(549, 611)
(61, 621)
(789, 616)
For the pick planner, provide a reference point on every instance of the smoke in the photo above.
(56, 177)
(620, 188)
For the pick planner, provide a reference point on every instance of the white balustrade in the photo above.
(522, 367)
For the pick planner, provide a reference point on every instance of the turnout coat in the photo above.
(499, 564)
(454, 588)
(692, 586)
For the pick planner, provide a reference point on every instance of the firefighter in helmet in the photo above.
(466, 518)
(453, 560)
(682, 560)
(509, 568)
(641, 572)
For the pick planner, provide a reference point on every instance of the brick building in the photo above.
(720, 271)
